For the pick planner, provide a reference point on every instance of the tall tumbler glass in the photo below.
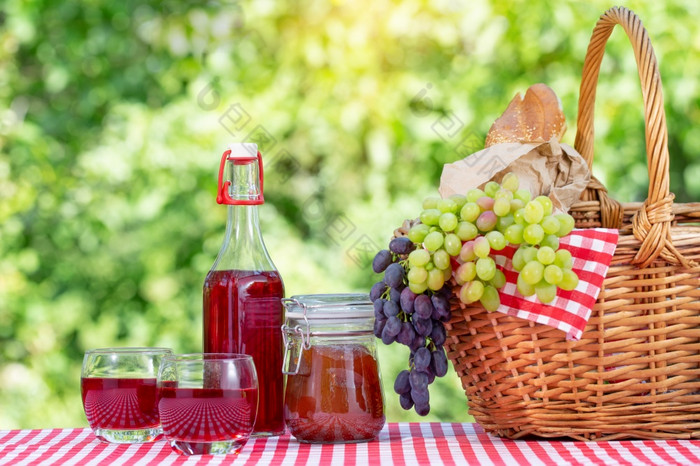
(208, 402)
(120, 395)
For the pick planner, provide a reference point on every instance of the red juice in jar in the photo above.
(336, 396)
(242, 293)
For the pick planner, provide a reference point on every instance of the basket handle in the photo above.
(651, 224)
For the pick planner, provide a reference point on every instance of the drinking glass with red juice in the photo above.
(119, 393)
(208, 402)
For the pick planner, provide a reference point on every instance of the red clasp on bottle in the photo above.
(223, 196)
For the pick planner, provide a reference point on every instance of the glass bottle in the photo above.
(243, 311)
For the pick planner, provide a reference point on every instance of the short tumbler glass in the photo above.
(208, 402)
(120, 396)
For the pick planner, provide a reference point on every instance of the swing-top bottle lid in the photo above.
(244, 185)
(243, 151)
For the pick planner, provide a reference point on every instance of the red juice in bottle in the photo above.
(243, 310)
(244, 317)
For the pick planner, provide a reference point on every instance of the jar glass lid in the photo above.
(329, 306)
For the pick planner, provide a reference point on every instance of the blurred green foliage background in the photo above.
(113, 116)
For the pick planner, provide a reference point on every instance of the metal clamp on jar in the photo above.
(334, 392)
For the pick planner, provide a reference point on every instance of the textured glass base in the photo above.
(267, 434)
(208, 448)
(326, 442)
(129, 436)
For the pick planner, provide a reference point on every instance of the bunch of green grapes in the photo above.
(458, 236)
(441, 235)
(542, 265)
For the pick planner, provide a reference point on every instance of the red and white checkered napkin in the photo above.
(592, 250)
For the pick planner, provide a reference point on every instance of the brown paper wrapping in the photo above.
(545, 168)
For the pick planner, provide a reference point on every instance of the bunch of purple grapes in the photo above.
(411, 319)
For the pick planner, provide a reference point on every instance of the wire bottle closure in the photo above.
(223, 196)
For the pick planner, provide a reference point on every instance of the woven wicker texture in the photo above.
(635, 373)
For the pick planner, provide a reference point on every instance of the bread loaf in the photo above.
(537, 117)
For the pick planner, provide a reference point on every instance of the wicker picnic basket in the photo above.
(635, 373)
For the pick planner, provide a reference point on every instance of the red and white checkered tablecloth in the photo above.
(592, 251)
(398, 444)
